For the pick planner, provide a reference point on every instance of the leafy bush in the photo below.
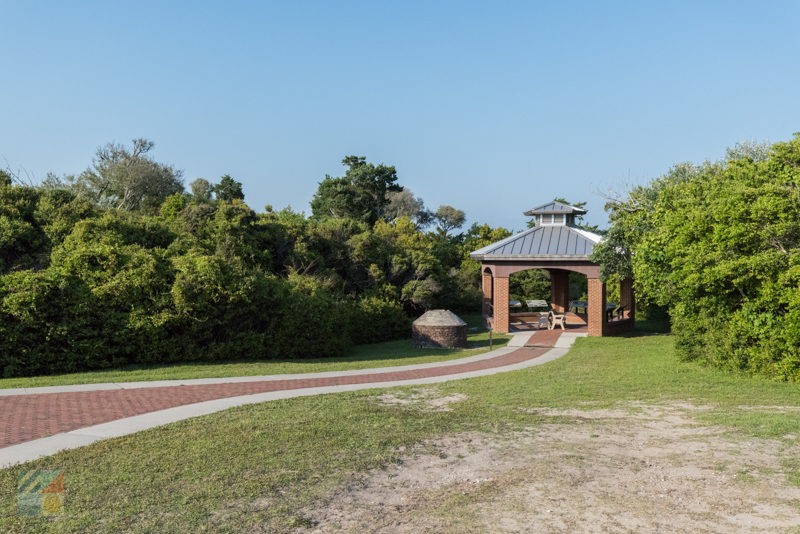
(311, 325)
(374, 319)
(51, 322)
(719, 246)
(92, 277)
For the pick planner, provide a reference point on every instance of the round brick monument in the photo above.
(439, 328)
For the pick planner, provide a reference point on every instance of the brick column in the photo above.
(500, 302)
(486, 287)
(559, 287)
(626, 298)
(597, 307)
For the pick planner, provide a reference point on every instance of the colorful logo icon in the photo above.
(40, 492)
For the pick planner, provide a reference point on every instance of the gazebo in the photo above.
(558, 246)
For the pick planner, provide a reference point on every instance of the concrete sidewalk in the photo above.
(517, 341)
(36, 422)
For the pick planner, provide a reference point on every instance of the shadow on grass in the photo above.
(481, 343)
(648, 328)
(386, 350)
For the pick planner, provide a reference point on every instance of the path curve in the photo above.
(36, 422)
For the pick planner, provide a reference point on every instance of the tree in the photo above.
(748, 150)
(172, 206)
(360, 194)
(337, 198)
(448, 218)
(632, 215)
(531, 284)
(53, 182)
(128, 179)
(399, 263)
(21, 237)
(718, 244)
(228, 189)
(631, 219)
(403, 203)
(202, 190)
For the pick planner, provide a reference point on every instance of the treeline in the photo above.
(717, 245)
(121, 265)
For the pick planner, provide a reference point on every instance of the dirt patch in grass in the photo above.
(428, 399)
(634, 468)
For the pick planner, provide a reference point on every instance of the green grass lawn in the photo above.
(253, 467)
(385, 354)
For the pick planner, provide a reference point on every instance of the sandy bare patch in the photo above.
(642, 469)
(428, 399)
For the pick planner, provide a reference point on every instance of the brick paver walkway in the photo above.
(27, 417)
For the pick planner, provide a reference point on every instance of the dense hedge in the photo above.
(84, 287)
(155, 311)
(719, 246)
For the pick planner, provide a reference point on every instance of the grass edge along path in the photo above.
(254, 468)
(385, 354)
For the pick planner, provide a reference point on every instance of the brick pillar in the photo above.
(559, 287)
(597, 307)
(626, 298)
(486, 286)
(500, 302)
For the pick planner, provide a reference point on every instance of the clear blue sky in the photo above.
(492, 107)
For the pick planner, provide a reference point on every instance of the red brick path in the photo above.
(27, 417)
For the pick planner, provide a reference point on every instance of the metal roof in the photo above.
(554, 207)
(542, 243)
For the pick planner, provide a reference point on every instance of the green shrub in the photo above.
(51, 322)
(87, 286)
(310, 326)
(22, 242)
(718, 246)
(133, 307)
(374, 319)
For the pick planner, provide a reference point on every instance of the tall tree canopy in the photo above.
(404, 204)
(128, 179)
(228, 189)
(360, 194)
(201, 190)
(448, 218)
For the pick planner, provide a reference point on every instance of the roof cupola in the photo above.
(555, 214)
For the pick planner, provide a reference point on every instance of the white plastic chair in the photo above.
(556, 320)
